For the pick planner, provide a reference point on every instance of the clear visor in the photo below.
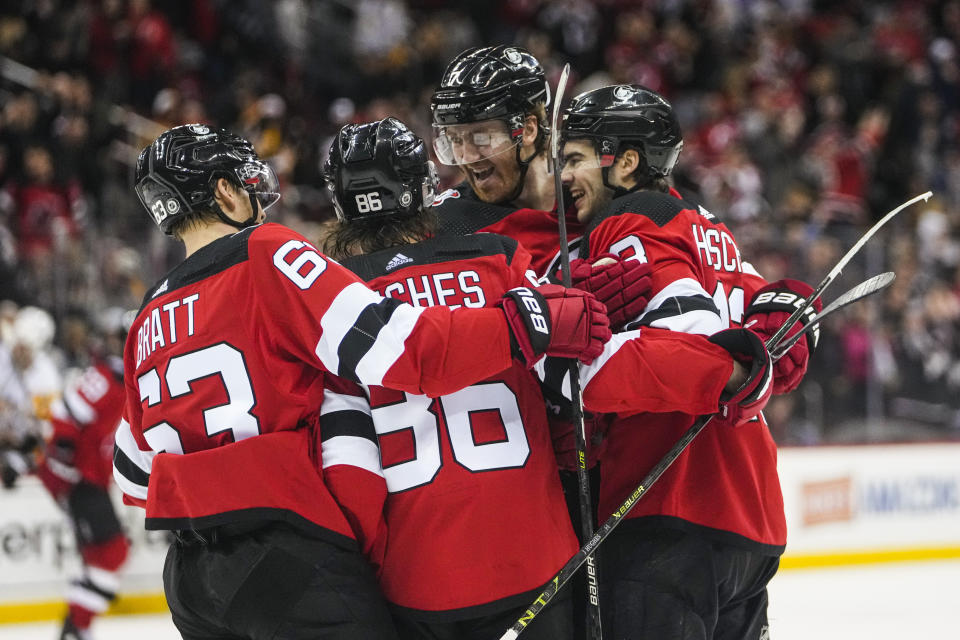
(428, 190)
(259, 179)
(461, 144)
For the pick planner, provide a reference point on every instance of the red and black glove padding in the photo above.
(623, 286)
(768, 310)
(746, 401)
(556, 321)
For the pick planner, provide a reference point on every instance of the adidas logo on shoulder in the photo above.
(397, 261)
(706, 214)
(163, 287)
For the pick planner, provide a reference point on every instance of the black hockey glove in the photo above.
(748, 399)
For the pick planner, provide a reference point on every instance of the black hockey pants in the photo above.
(273, 583)
(660, 583)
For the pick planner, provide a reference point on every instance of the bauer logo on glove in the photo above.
(538, 322)
(777, 300)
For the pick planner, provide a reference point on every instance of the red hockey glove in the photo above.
(595, 426)
(623, 286)
(770, 308)
(750, 397)
(556, 321)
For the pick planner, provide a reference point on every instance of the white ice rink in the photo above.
(879, 602)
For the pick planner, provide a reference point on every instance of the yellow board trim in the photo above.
(128, 603)
(877, 556)
(145, 603)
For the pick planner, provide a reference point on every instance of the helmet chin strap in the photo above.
(525, 165)
(617, 189)
(249, 222)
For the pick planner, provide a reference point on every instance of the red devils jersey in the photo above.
(87, 415)
(474, 514)
(226, 364)
(726, 482)
(461, 213)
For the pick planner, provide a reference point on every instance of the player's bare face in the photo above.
(582, 175)
(486, 153)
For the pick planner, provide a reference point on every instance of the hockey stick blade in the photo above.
(555, 119)
(557, 182)
(866, 288)
(778, 336)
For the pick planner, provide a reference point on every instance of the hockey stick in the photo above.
(866, 288)
(567, 571)
(594, 629)
(778, 336)
(564, 575)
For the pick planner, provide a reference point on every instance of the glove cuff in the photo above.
(528, 315)
(786, 296)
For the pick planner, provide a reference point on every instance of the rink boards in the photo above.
(845, 505)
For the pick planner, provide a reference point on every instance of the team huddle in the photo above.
(370, 434)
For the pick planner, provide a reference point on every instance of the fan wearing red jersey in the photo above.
(76, 469)
(226, 366)
(719, 506)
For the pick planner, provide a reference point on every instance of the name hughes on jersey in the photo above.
(159, 327)
(449, 289)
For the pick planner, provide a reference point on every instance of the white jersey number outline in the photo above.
(458, 408)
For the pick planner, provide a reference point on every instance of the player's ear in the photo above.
(531, 128)
(225, 194)
(628, 161)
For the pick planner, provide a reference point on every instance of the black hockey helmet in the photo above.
(488, 83)
(379, 169)
(626, 115)
(176, 173)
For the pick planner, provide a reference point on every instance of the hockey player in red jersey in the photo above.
(226, 365)
(489, 120)
(695, 555)
(474, 521)
(76, 470)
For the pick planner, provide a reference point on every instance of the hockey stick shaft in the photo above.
(594, 629)
(564, 575)
(866, 288)
(838, 268)
(572, 565)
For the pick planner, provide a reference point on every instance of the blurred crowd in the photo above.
(804, 121)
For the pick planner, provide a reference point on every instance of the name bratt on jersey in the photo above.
(717, 248)
(159, 327)
(449, 289)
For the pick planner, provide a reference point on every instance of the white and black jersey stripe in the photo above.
(347, 433)
(364, 334)
(131, 464)
(683, 305)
